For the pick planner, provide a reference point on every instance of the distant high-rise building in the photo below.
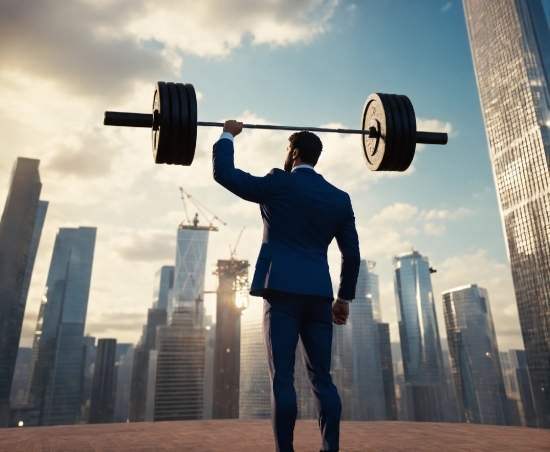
(518, 360)
(20, 230)
(188, 286)
(255, 384)
(180, 369)
(156, 318)
(419, 333)
(510, 44)
(102, 406)
(232, 298)
(164, 284)
(452, 404)
(341, 368)
(124, 367)
(18, 395)
(151, 386)
(88, 362)
(512, 392)
(475, 357)
(57, 367)
(387, 371)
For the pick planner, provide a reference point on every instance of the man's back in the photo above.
(302, 214)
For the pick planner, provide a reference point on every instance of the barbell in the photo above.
(388, 128)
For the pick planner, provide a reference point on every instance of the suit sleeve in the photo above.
(238, 182)
(348, 243)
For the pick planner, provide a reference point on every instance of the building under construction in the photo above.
(232, 298)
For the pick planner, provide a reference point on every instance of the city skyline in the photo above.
(136, 205)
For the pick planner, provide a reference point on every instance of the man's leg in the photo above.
(316, 342)
(281, 328)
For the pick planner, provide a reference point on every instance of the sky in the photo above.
(307, 63)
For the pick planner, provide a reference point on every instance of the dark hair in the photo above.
(308, 144)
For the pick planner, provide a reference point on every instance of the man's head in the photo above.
(304, 148)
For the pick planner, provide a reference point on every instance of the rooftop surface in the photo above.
(256, 435)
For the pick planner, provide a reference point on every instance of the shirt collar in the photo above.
(303, 166)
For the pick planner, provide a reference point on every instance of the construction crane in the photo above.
(233, 251)
(194, 223)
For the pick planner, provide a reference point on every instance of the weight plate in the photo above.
(374, 115)
(192, 122)
(183, 147)
(174, 123)
(411, 116)
(161, 124)
(404, 141)
(394, 134)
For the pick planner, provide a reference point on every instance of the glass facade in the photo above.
(102, 406)
(192, 244)
(518, 361)
(475, 357)
(510, 44)
(365, 360)
(20, 230)
(419, 334)
(56, 370)
(179, 383)
(164, 284)
(255, 387)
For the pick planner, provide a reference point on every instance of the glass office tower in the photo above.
(475, 357)
(20, 230)
(56, 373)
(510, 44)
(419, 333)
(164, 284)
(188, 289)
(365, 359)
(254, 391)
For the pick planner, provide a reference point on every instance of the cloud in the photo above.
(101, 49)
(446, 6)
(145, 246)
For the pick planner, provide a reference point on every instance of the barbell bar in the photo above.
(388, 128)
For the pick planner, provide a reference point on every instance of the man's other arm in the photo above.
(348, 243)
(238, 182)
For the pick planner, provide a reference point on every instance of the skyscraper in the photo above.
(419, 333)
(475, 357)
(255, 385)
(510, 44)
(188, 288)
(55, 383)
(368, 383)
(179, 382)
(387, 371)
(102, 406)
(20, 230)
(518, 361)
(164, 284)
(232, 298)
(124, 383)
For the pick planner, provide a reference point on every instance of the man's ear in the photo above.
(295, 153)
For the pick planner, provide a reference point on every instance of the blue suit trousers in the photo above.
(289, 318)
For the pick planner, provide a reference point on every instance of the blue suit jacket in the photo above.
(302, 214)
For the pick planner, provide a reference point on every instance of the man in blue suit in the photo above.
(302, 214)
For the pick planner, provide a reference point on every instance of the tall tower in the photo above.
(102, 402)
(232, 298)
(365, 359)
(255, 385)
(56, 369)
(510, 44)
(164, 285)
(419, 334)
(475, 357)
(20, 230)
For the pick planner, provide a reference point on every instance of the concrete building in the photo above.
(510, 44)
(475, 356)
(57, 366)
(20, 231)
